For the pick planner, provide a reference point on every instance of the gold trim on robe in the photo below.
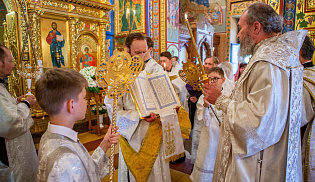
(140, 163)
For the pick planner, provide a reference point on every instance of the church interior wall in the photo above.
(156, 19)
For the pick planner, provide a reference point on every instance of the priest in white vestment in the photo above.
(308, 110)
(150, 65)
(18, 154)
(260, 135)
(131, 127)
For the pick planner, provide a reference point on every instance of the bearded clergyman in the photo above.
(260, 135)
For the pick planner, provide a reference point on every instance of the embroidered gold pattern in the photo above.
(169, 139)
(140, 163)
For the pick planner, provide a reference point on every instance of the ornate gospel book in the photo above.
(154, 93)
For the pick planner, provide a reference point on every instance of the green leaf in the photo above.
(94, 90)
(300, 15)
(303, 24)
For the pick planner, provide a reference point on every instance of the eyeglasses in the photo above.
(214, 79)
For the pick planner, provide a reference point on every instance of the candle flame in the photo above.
(134, 12)
(127, 11)
(185, 16)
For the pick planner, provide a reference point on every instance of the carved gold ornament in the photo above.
(115, 76)
(191, 74)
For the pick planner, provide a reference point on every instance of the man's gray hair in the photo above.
(215, 60)
(269, 19)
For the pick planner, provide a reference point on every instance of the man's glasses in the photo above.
(214, 79)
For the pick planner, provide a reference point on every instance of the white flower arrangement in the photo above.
(89, 75)
(101, 109)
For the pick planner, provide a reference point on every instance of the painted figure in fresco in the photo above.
(131, 14)
(173, 9)
(136, 10)
(218, 14)
(87, 59)
(55, 45)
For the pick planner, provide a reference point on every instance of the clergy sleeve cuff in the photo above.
(222, 103)
(27, 103)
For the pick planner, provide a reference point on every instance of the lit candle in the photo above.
(134, 11)
(212, 50)
(127, 11)
(194, 44)
(164, 65)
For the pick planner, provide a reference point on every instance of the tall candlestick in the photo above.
(194, 44)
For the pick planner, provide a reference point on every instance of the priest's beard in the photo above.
(247, 45)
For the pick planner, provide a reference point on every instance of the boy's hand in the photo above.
(110, 138)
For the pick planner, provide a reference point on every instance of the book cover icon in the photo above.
(154, 93)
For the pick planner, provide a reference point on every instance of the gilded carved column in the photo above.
(103, 41)
(73, 40)
(12, 43)
(21, 14)
(35, 34)
(5, 36)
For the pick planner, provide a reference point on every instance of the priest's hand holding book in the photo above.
(153, 116)
(150, 118)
